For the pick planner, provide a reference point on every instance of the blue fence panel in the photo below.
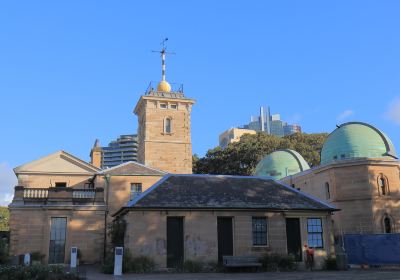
(372, 249)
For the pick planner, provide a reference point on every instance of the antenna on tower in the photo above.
(163, 52)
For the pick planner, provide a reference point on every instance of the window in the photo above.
(259, 231)
(383, 186)
(327, 191)
(136, 189)
(174, 106)
(61, 184)
(314, 230)
(167, 125)
(58, 232)
(163, 105)
(387, 223)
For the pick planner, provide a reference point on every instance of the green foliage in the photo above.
(116, 231)
(36, 272)
(140, 264)
(4, 256)
(4, 218)
(190, 266)
(241, 158)
(276, 262)
(331, 264)
(37, 256)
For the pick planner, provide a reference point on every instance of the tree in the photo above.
(241, 158)
(4, 218)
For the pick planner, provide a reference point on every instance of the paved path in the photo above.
(93, 274)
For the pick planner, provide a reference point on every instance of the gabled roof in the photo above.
(132, 168)
(225, 192)
(59, 162)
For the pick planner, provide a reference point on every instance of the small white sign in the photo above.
(27, 259)
(119, 253)
(74, 256)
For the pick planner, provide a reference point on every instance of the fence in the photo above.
(372, 249)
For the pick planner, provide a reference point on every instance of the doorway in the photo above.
(293, 237)
(225, 237)
(174, 241)
(58, 229)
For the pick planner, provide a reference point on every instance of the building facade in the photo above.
(204, 217)
(359, 174)
(62, 202)
(233, 135)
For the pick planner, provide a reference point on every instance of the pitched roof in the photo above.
(132, 168)
(59, 162)
(225, 192)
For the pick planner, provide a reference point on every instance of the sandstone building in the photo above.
(359, 174)
(204, 217)
(61, 201)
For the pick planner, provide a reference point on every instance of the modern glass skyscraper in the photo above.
(118, 151)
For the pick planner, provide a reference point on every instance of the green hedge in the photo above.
(276, 262)
(35, 272)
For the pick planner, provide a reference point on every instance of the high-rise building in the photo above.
(271, 124)
(118, 151)
(233, 135)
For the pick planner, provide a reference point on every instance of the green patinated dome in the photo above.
(356, 140)
(281, 163)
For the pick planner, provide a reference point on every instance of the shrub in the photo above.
(192, 266)
(4, 257)
(331, 264)
(108, 264)
(37, 272)
(141, 264)
(276, 262)
(37, 256)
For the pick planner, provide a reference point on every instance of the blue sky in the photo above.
(72, 71)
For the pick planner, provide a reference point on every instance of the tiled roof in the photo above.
(225, 192)
(132, 168)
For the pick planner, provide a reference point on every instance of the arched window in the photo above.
(387, 224)
(168, 125)
(383, 187)
(327, 190)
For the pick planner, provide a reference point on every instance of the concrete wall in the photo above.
(146, 234)
(30, 231)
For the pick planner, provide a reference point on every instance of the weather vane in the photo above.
(163, 52)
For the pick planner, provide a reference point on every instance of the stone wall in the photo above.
(170, 152)
(146, 234)
(30, 230)
(353, 186)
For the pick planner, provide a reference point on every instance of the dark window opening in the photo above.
(167, 126)
(388, 225)
(383, 188)
(61, 184)
(259, 231)
(327, 190)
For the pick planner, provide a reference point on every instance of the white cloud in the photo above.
(7, 183)
(344, 115)
(393, 112)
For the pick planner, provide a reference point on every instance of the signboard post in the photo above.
(74, 256)
(27, 259)
(119, 252)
